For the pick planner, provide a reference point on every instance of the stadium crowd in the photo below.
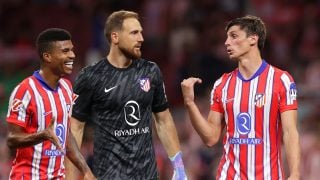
(185, 37)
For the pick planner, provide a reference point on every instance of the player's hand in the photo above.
(179, 174)
(177, 163)
(51, 135)
(187, 87)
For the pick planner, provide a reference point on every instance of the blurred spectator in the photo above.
(186, 38)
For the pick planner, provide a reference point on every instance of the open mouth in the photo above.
(69, 64)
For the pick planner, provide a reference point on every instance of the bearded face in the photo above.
(130, 38)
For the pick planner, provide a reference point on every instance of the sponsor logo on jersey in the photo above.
(53, 152)
(243, 125)
(47, 113)
(251, 141)
(144, 84)
(16, 105)
(109, 89)
(227, 100)
(132, 113)
(131, 132)
(132, 118)
(61, 133)
(293, 91)
(259, 100)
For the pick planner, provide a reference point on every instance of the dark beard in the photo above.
(129, 54)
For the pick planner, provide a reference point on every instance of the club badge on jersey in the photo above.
(144, 84)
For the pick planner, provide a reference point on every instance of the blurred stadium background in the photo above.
(185, 37)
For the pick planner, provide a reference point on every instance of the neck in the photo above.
(50, 78)
(249, 65)
(118, 59)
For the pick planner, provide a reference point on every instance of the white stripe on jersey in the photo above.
(266, 126)
(286, 81)
(25, 101)
(66, 87)
(13, 94)
(214, 88)
(41, 125)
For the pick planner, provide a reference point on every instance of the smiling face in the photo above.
(60, 57)
(130, 38)
(238, 43)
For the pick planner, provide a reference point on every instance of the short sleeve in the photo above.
(159, 102)
(19, 109)
(288, 93)
(82, 96)
(215, 96)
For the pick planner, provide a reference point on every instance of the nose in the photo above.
(227, 43)
(72, 54)
(140, 38)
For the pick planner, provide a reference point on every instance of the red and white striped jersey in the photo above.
(32, 105)
(251, 108)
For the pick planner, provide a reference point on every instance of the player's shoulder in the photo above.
(66, 81)
(95, 66)
(220, 82)
(93, 69)
(228, 75)
(280, 73)
(146, 63)
(25, 83)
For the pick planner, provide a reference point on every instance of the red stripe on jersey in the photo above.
(41, 160)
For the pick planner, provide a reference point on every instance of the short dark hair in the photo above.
(47, 37)
(252, 25)
(115, 21)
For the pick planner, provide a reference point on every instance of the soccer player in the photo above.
(254, 106)
(120, 95)
(39, 113)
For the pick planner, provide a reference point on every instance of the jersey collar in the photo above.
(37, 75)
(258, 72)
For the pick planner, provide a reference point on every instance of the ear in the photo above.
(46, 57)
(253, 39)
(115, 37)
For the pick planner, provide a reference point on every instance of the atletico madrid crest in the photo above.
(259, 100)
(144, 84)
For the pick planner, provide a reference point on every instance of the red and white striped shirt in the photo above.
(252, 143)
(32, 105)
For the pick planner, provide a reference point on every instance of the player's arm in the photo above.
(209, 130)
(167, 133)
(19, 138)
(77, 128)
(291, 142)
(74, 155)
